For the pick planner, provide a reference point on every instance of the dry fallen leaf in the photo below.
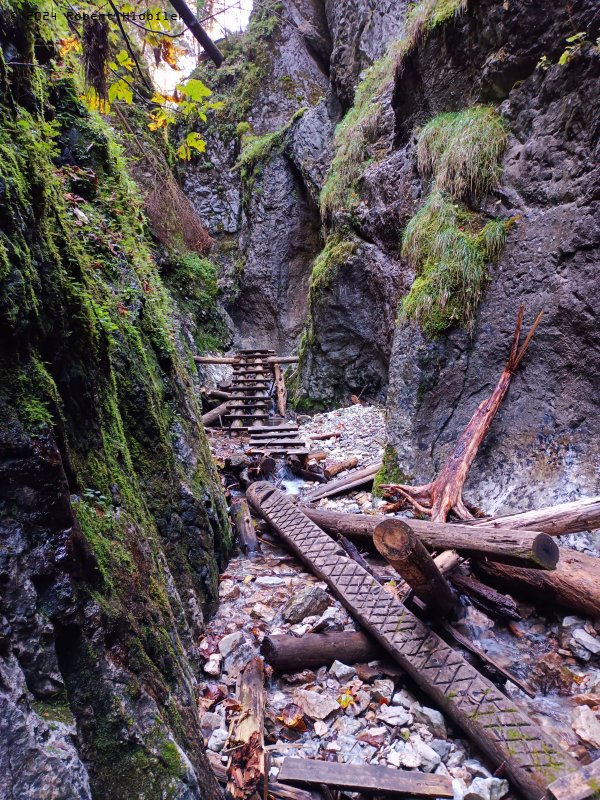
(292, 717)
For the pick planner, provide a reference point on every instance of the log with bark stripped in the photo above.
(574, 517)
(280, 389)
(244, 527)
(522, 548)
(246, 768)
(215, 414)
(353, 481)
(334, 469)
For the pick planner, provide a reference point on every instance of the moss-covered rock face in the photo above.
(113, 523)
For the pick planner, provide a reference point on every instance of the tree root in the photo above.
(444, 495)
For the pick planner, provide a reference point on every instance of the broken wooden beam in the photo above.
(280, 390)
(285, 652)
(244, 527)
(402, 548)
(278, 790)
(574, 584)
(334, 469)
(506, 735)
(215, 414)
(246, 772)
(574, 517)
(584, 784)
(365, 778)
(343, 485)
(215, 394)
(484, 597)
(522, 548)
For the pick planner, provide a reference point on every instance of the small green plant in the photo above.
(574, 45)
(462, 151)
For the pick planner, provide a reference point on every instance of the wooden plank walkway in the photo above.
(506, 735)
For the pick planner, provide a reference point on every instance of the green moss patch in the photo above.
(389, 472)
(337, 252)
(450, 248)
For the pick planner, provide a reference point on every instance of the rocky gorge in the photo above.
(329, 276)
(383, 185)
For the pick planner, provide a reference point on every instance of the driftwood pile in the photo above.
(452, 550)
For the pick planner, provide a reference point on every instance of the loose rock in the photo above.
(309, 602)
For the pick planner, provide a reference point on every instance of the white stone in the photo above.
(429, 758)
(230, 642)
(433, 719)
(217, 740)
(269, 580)
(395, 715)
(314, 704)
(342, 671)
(262, 612)
(382, 690)
(409, 757)
(404, 699)
(213, 665)
(487, 789)
(320, 728)
(590, 643)
(586, 725)
(211, 722)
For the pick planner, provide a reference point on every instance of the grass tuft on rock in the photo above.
(462, 150)
(336, 253)
(449, 249)
(361, 127)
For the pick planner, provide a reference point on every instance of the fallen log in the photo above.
(215, 394)
(287, 653)
(402, 548)
(581, 785)
(316, 437)
(296, 465)
(365, 778)
(278, 790)
(246, 768)
(215, 414)
(334, 469)
(244, 527)
(574, 584)
(574, 517)
(507, 736)
(343, 485)
(484, 597)
(522, 548)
